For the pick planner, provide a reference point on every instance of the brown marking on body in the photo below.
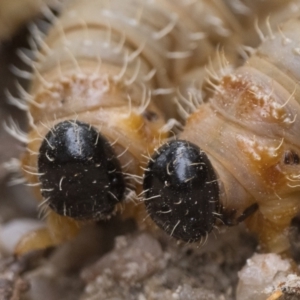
(196, 118)
(264, 161)
(249, 100)
(140, 131)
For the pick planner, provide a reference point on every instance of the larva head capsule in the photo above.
(79, 173)
(181, 191)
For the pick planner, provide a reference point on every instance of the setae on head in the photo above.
(81, 176)
(181, 191)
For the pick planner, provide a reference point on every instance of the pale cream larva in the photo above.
(103, 83)
(100, 99)
(238, 157)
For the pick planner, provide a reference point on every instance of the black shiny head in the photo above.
(80, 175)
(181, 191)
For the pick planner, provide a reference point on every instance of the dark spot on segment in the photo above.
(291, 158)
(189, 252)
(150, 116)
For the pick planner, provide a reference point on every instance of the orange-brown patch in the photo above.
(250, 100)
(140, 132)
(264, 161)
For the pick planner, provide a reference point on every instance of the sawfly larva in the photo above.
(101, 99)
(238, 156)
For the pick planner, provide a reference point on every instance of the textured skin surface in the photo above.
(182, 193)
(79, 172)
